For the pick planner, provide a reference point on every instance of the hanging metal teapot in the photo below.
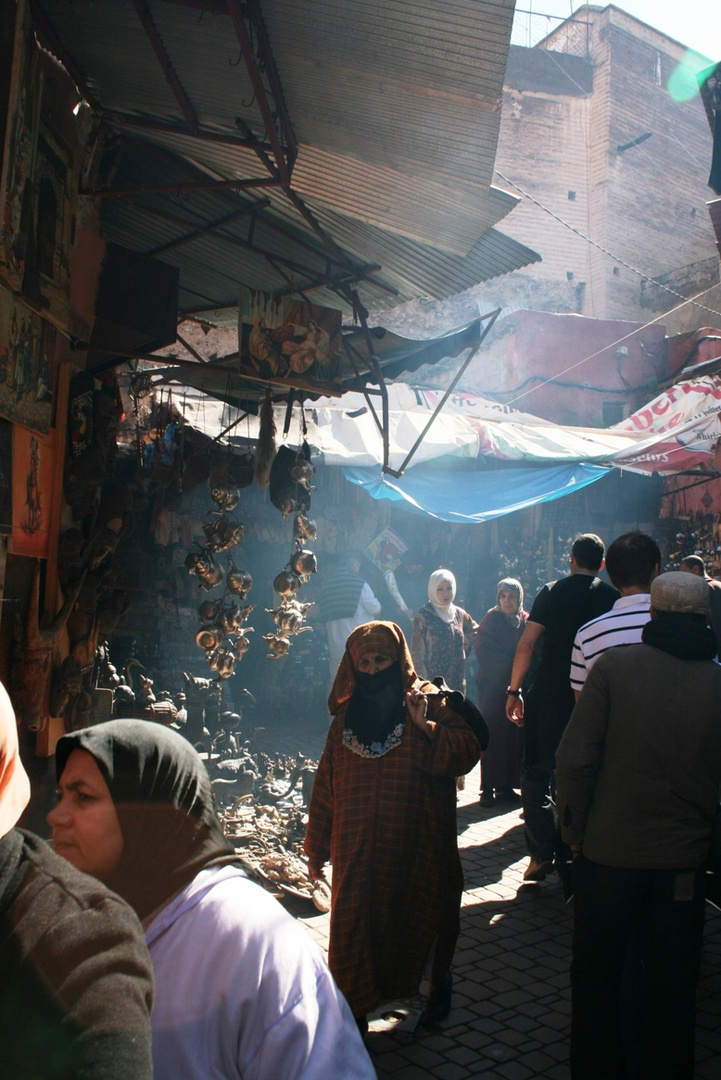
(223, 532)
(286, 583)
(222, 661)
(209, 610)
(304, 563)
(210, 637)
(304, 528)
(242, 643)
(225, 498)
(277, 644)
(238, 581)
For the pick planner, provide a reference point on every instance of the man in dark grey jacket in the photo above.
(638, 772)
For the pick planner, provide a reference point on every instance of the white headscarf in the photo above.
(14, 783)
(443, 611)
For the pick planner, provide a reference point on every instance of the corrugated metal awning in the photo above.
(343, 148)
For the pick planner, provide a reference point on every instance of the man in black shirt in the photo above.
(560, 608)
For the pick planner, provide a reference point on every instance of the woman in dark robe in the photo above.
(383, 811)
(495, 644)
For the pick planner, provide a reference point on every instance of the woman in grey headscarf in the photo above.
(495, 646)
(442, 634)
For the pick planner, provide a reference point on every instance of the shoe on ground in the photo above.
(508, 795)
(438, 1005)
(537, 871)
(487, 798)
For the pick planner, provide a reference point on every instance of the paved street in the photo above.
(511, 1001)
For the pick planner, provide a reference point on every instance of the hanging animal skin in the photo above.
(304, 528)
(225, 498)
(304, 563)
(286, 583)
(223, 532)
(238, 581)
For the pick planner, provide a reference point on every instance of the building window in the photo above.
(613, 413)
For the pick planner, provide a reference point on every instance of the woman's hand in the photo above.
(315, 871)
(417, 706)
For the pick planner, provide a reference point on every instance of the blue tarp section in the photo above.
(470, 497)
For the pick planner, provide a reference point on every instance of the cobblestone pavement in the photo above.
(511, 996)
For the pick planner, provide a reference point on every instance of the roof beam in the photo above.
(175, 187)
(206, 230)
(248, 23)
(123, 120)
(46, 31)
(179, 92)
(237, 241)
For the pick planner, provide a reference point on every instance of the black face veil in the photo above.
(165, 806)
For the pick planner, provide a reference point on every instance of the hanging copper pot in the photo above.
(223, 532)
(242, 642)
(226, 663)
(209, 637)
(244, 614)
(238, 581)
(304, 563)
(210, 576)
(227, 618)
(277, 644)
(304, 528)
(209, 610)
(225, 498)
(286, 583)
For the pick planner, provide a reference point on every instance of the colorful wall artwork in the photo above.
(32, 492)
(6, 477)
(27, 364)
(38, 183)
(387, 550)
(289, 341)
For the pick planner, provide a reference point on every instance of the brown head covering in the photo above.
(14, 783)
(370, 637)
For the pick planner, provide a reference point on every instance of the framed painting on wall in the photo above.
(27, 364)
(290, 342)
(32, 492)
(6, 477)
(38, 181)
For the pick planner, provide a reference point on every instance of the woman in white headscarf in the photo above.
(75, 976)
(442, 634)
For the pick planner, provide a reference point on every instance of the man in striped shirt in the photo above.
(633, 560)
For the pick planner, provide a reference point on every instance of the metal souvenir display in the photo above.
(304, 563)
(223, 532)
(304, 529)
(277, 645)
(225, 498)
(237, 581)
(286, 583)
